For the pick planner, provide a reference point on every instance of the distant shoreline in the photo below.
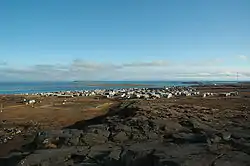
(115, 85)
(43, 87)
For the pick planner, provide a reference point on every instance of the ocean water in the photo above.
(37, 87)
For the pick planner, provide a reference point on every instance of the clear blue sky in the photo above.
(132, 38)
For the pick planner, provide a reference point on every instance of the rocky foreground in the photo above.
(146, 133)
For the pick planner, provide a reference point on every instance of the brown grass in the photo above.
(52, 113)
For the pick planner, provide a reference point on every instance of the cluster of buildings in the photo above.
(133, 93)
(129, 93)
(225, 94)
(151, 93)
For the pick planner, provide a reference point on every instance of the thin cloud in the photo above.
(245, 74)
(243, 57)
(49, 67)
(81, 64)
(3, 64)
(85, 70)
(146, 64)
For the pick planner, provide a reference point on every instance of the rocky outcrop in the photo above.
(142, 134)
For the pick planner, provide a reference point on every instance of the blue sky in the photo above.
(124, 40)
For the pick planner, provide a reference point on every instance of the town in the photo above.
(136, 93)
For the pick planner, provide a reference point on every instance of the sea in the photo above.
(39, 87)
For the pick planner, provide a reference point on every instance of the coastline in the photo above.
(119, 85)
(44, 87)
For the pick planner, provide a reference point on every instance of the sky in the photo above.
(62, 40)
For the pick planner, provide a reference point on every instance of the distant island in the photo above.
(118, 84)
(192, 82)
(113, 84)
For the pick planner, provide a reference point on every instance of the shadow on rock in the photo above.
(12, 159)
(122, 111)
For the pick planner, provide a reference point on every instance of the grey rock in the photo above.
(167, 125)
(58, 138)
(120, 137)
(215, 139)
(226, 136)
(121, 127)
(153, 136)
(196, 126)
(100, 151)
(234, 158)
(158, 136)
(132, 158)
(241, 134)
(93, 139)
(99, 129)
(48, 157)
(115, 154)
(189, 138)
